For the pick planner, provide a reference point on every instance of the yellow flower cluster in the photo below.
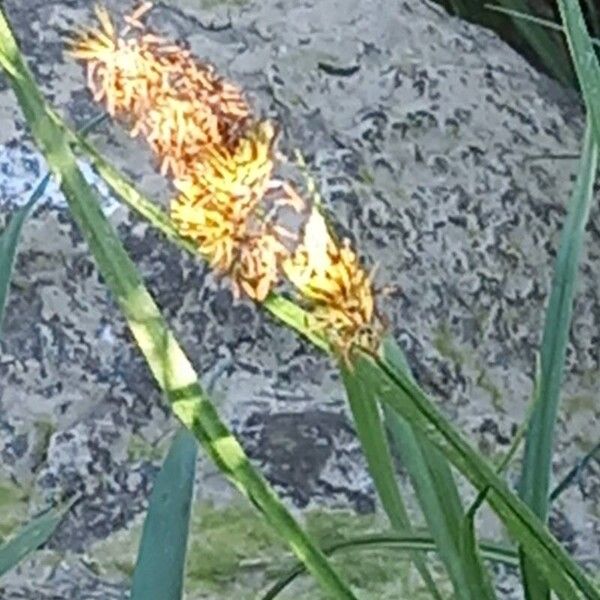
(338, 289)
(221, 159)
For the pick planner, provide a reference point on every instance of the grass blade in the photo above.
(548, 49)
(437, 493)
(584, 58)
(159, 568)
(170, 366)
(372, 436)
(409, 401)
(412, 542)
(9, 240)
(574, 473)
(31, 537)
(534, 485)
(468, 534)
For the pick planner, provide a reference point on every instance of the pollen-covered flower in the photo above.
(218, 197)
(339, 291)
(179, 104)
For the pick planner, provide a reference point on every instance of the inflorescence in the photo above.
(221, 160)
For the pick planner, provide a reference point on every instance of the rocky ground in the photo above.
(444, 156)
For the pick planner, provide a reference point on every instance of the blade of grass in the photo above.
(371, 434)
(407, 542)
(166, 359)
(548, 49)
(406, 398)
(437, 493)
(535, 477)
(534, 485)
(574, 473)
(532, 19)
(9, 239)
(159, 568)
(33, 535)
(593, 16)
(468, 533)
(461, 8)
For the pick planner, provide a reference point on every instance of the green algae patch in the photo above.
(139, 448)
(233, 553)
(444, 343)
(13, 508)
(580, 403)
(485, 383)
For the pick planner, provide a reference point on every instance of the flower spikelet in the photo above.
(217, 198)
(179, 104)
(339, 291)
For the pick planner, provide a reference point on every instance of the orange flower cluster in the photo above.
(221, 160)
(338, 289)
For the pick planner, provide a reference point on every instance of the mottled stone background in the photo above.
(444, 156)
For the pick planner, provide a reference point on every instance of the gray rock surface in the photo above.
(441, 153)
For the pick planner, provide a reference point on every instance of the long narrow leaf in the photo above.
(412, 542)
(371, 434)
(406, 398)
(9, 240)
(549, 50)
(437, 493)
(469, 537)
(574, 473)
(584, 58)
(532, 19)
(534, 486)
(166, 359)
(33, 535)
(159, 568)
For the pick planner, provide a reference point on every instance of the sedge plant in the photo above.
(222, 162)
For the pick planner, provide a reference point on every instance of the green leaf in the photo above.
(574, 473)
(403, 542)
(534, 486)
(437, 493)
(372, 436)
(159, 569)
(170, 366)
(410, 402)
(9, 240)
(546, 47)
(31, 537)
